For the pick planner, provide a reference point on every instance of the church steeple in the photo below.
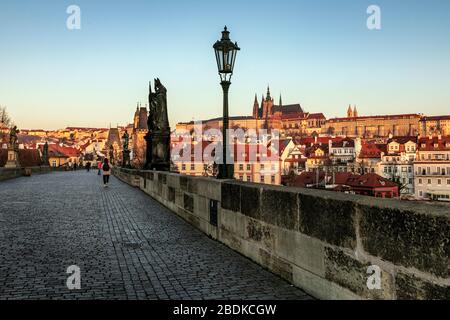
(268, 97)
(281, 102)
(255, 108)
(349, 112)
(355, 112)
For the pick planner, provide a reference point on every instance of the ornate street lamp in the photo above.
(226, 52)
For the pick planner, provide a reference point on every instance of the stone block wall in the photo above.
(324, 242)
(10, 173)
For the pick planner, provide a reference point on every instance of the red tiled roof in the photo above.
(370, 180)
(371, 150)
(55, 150)
(349, 143)
(429, 144)
(316, 116)
(402, 140)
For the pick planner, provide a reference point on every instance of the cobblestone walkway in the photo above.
(127, 246)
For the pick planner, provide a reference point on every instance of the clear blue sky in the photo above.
(317, 53)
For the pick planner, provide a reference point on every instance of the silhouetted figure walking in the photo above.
(106, 168)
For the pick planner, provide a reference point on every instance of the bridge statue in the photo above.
(13, 137)
(126, 140)
(158, 135)
(45, 154)
(13, 149)
(126, 163)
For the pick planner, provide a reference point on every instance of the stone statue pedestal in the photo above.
(126, 159)
(158, 151)
(13, 158)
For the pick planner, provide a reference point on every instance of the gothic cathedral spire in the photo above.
(255, 108)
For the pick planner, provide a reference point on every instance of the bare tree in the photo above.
(5, 119)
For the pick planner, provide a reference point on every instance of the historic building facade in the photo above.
(373, 126)
(432, 168)
(397, 163)
(289, 119)
(435, 125)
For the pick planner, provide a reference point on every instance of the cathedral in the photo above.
(269, 112)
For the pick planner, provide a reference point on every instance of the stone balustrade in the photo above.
(10, 173)
(329, 244)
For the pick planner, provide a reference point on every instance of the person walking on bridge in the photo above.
(106, 168)
(99, 167)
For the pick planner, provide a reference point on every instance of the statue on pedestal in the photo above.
(126, 152)
(126, 140)
(13, 149)
(158, 136)
(45, 154)
(111, 154)
(13, 137)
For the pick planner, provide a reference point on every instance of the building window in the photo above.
(429, 181)
(241, 177)
(448, 182)
(241, 167)
(261, 179)
(248, 167)
(439, 181)
(272, 179)
(183, 167)
(420, 181)
(192, 167)
(262, 167)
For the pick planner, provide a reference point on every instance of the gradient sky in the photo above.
(317, 52)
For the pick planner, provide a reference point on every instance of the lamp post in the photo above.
(226, 52)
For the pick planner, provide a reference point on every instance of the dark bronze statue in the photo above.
(158, 119)
(45, 153)
(158, 136)
(126, 140)
(13, 137)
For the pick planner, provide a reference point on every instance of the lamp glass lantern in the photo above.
(226, 52)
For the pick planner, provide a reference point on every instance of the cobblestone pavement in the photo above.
(127, 246)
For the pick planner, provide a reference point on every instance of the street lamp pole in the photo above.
(226, 171)
(226, 52)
